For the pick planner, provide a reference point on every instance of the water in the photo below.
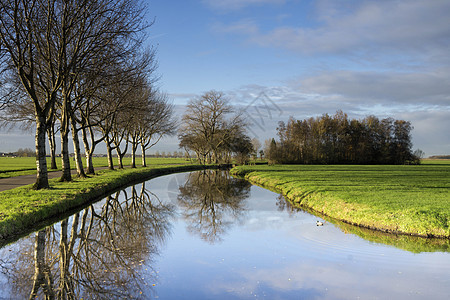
(209, 236)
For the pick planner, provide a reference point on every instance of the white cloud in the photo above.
(431, 89)
(228, 5)
(366, 27)
(246, 27)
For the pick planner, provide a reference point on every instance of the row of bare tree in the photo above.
(81, 67)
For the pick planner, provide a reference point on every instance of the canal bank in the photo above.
(23, 210)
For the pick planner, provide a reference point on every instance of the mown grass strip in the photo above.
(411, 200)
(22, 208)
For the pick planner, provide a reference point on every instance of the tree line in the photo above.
(81, 68)
(340, 140)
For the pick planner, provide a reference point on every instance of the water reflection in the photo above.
(268, 248)
(101, 250)
(212, 201)
(405, 242)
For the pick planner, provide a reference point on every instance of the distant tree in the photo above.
(336, 139)
(256, 145)
(418, 155)
(27, 152)
(158, 121)
(402, 142)
(209, 126)
(242, 147)
(273, 153)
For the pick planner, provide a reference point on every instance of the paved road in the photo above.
(13, 182)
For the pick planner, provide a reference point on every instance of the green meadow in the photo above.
(16, 166)
(393, 198)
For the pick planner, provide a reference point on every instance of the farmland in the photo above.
(16, 166)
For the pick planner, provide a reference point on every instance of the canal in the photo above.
(207, 235)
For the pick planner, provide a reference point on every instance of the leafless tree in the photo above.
(156, 122)
(256, 145)
(208, 127)
(27, 33)
(49, 43)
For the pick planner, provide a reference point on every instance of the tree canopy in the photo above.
(340, 140)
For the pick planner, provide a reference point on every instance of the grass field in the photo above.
(10, 166)
(404, 199)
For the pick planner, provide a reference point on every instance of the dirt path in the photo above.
(13, 182)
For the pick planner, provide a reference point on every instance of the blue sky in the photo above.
(387, 58)
(306, 58)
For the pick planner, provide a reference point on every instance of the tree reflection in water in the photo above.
(102, 252)
(212, 201)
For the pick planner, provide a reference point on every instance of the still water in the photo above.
(206, 235)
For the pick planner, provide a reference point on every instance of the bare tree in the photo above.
(27, 33)
(256, 145)
(49, 43)
(208, 127)
(156, 122)
(111, 30)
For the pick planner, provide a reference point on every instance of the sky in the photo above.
(306, 58)
(280, 58)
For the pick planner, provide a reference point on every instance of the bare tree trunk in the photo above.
(88, 152)
(52, 143)
(41, 160)
(76, 147)
(133, 155)
(65, 158)
(119, 158)
(109, 154)
(144, 163)
(215, 157)
(120, 153)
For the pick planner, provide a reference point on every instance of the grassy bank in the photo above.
(22, 208)
(401, 199)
